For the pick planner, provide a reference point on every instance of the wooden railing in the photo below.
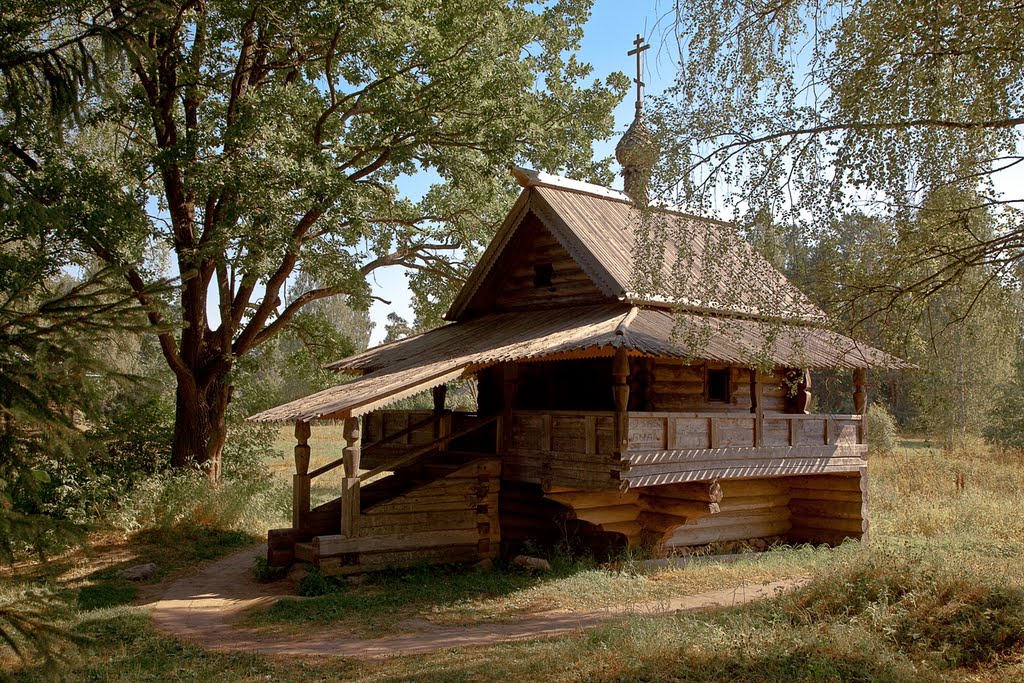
(386, 441)
(441, 427)
(679, 431)
(440, 444)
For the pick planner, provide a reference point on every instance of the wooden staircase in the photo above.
(437, 505)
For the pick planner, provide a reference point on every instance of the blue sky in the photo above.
(607, 37)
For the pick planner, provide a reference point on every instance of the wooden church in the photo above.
(663, 417)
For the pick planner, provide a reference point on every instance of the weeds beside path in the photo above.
(202, 608)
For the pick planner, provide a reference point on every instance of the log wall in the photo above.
(816, 509)
(531, 518)
(829, 509)
(667, 385)
(749, 509)
(516, 287)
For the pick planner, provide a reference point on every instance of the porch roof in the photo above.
(411, 365)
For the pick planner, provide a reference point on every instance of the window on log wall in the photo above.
(717, 384)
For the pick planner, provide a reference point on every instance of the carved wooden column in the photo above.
(350, 509)
(756, 406)
(804, 397)
(860, 400)
(300, 481)
(620, 393)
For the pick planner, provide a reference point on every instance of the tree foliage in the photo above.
(254, 140)
(805, 109)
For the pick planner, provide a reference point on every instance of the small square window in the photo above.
(542, 274)
(718, 385)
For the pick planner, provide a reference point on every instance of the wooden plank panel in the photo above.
(569, 433)
(692, 432)
(646, 433)
(605, 434)
(810, 433)
(843, 432)
(735, 432)
(526, 431)
(776, 431)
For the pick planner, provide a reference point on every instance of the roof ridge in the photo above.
(528, 177)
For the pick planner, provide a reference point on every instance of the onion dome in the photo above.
(637, 152)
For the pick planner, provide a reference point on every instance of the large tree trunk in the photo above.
(200, 428)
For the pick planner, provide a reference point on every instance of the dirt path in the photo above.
(202, 607)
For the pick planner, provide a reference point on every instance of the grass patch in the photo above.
(185, 545)
(936, 597)
(105, 594)
(880, 615)
(458, 595)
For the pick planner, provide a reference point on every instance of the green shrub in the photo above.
(883, 434)
(264, 573)
(314, 584)
(186, 497)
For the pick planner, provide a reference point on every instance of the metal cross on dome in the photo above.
(639, 80)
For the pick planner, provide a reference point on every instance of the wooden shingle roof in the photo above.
(686, 262)
(414, 364)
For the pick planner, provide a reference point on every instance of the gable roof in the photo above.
(700, 264)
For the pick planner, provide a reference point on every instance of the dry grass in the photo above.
(914, 494)
(937, 597)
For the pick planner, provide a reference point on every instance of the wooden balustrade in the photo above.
(678, 431)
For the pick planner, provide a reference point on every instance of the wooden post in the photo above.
(350, 509)
(440, 393)
(620, 393)
(860, 401)
(756, 408)
(510, 387)
(300, 481)
(443, 421)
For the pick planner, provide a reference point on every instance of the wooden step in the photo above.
(305, 552)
